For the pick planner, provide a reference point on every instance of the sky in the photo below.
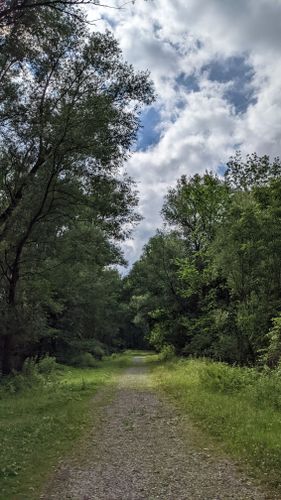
(216, 67)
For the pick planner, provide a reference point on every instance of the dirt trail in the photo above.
(140, 453)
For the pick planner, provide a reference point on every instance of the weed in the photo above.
(41, 423)
(239, 407)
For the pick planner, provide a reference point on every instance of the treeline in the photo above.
(210, 283)
(69, 114)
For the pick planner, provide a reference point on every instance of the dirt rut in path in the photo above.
(144, 450)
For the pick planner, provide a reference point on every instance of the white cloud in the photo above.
(177, 37)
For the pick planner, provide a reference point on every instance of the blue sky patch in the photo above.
(189, 82)
(241, 98)
(221, 169)
(110, 20)
(149, 133)
(232, 68)
(239, 73)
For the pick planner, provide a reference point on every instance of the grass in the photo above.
(239, 408)
(40, 425)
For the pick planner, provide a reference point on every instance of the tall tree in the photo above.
(194, 207)
(68, 117)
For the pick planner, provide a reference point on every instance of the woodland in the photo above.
(197, 317)
(208, 282)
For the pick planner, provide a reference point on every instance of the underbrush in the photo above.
(34, 374)
(43, 412)
(167, 353)
(239, 407)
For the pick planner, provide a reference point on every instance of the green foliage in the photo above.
(154, 285)
(195, 206)
(238, 407)
(243, 174)
(66, 131)
(41, 424)
(272, 355)
(190, 275)
(220, 377)
(14, 384)
(210, 286)
(34, 374)
(99, 352)
(157, 336)
(47, 365)
(167, 353)
(83, 360)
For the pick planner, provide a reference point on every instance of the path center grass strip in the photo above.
(41, 425)
(239, 407)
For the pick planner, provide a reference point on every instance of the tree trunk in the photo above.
(8, 339)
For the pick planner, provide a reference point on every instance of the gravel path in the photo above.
(139, 453)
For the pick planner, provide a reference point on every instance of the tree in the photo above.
(247, 254)
(224, 251)
(156, 301)
(194, 207)
(83, 306)
(68, 117)
(17, 11)
(251, 172)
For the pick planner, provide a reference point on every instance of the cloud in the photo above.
(216, 69)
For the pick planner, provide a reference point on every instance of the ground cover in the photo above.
(147, 449)
(239, 407)
(41, 423)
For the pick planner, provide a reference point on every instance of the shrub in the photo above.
(223, 378)
(156, 337)
(47, 365)
(30, 367)
(31, 373)
(167, 352)
(267, 391)
(78, 347)
(273, 353)
(84, 360)
(15, 383)
(98, 352)
(27, 379)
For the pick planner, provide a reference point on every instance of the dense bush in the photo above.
(272, 354)
(261, 387)
(266, 392)
(35, 373)
(167, 352)
(47, 365)
(84, 360)
(226, 379)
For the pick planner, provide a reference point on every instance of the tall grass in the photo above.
(239, 407)
(41, 419)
